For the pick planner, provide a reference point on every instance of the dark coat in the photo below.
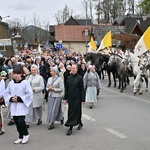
(81, 72)
(66, 74)
(75, 95)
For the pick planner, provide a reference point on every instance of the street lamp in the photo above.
(86, 34)
(86, 31)
(86, 9)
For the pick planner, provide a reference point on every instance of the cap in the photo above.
(3, 73)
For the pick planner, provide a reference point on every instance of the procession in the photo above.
(75, 78)
(28, 81)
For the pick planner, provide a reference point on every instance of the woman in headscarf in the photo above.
(37, 83)
(91, 84)
(55, 87)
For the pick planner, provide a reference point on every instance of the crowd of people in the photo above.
(27, 80)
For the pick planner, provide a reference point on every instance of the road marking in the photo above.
(134, 97)
(116, 133)
(83, 115)
(88, 117)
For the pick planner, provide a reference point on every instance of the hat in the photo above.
(56, 70)
(3, 73)
(90, 66)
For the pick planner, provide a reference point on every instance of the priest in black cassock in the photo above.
(74, 96)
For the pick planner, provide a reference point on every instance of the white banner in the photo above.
(5, 42)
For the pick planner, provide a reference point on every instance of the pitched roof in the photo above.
(83, 21)
(72, 21)
(71, 32)
(132, 20)
(29, 34)
(118, 21)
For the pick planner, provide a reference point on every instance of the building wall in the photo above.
(4, 35)
(3, 30)
(75, 47)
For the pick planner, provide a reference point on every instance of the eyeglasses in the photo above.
(73, 68)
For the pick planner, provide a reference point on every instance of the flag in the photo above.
(143, 44)
(92, 43)
(39, 49)
(106, 41)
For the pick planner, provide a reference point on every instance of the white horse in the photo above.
(146, 60)
(137, 67)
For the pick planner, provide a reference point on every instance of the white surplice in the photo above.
(24, 91)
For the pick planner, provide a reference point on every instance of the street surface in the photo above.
(118, 121)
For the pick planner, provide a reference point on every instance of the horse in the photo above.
(137, 66)
(145, 63)
(100, 61)
(121, 69)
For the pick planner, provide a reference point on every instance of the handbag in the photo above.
(2, 101)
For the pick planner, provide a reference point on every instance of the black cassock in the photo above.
(75, 95)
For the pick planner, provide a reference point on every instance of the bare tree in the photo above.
(25, 22)
(108, 10)
(45, 25)
(88, 8)
(58, 16)
(36, 20)
(63, 15)
(16, 22)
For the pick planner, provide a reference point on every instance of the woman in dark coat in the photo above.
(74, 96)
(82, 70)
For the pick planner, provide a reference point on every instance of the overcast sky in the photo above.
(44, 9)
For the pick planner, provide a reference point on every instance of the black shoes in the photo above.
(39, 122)
(62, 121)
(79, 126)
(1, 132)
(69, 132)
(51, 127)
(10, 123)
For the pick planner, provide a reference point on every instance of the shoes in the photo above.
(69, 132)
(18, 141)
(25, 139)
(10, 123)
(27, 125)
(51, 127)
(62, 121)
(91, 105)
(39, 122)
(79, 126)
(1, 132)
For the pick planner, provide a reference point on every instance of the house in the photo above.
(29, 36)
(74, 34)
(5, 49)
(134, 27)
(126, 31)
(73, 37)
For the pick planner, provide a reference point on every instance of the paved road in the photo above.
(118, 121)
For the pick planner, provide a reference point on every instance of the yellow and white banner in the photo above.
(92, 45)
(143, 44)
(106, 41)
